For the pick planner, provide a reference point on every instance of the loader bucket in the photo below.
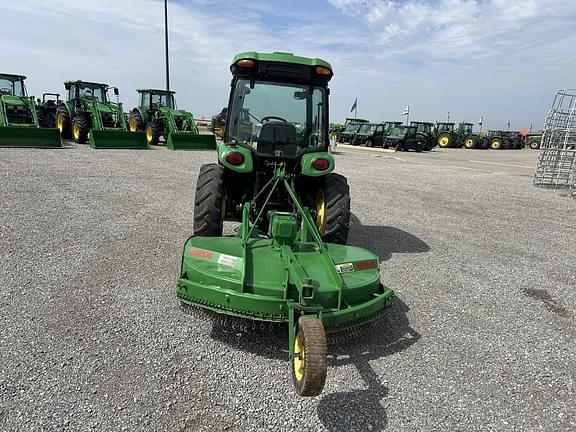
(30, 137)
(184, 141)
(117, 139)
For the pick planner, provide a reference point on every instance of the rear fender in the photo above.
(245, 167)
(307, 161)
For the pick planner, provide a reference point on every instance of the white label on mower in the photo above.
(345, 268)
(228, 260)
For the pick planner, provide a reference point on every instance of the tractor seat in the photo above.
(277, 136)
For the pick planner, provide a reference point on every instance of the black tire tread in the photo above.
(84, 124)
(135, 114)
(315, 360)
(67, 129)
(337, 199)
(208, 201)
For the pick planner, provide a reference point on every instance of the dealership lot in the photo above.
(481, 336)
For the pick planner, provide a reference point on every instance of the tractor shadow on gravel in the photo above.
(384, 240)
(362, 409)
(354, 410)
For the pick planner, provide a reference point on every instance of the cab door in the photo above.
(378, 139)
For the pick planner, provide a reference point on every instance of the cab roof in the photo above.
(159, 91)
(14, 77)
(282, 57)
(85, 82)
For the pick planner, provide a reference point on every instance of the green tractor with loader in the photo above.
(287, 263)
(19, 123)
(88, 115)
(158, 115)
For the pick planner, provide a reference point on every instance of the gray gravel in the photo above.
(482, 336)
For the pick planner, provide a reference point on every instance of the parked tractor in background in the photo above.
(46, 109)
(350, 128)
(503, 140)
(533, 140)
(426, 131)
(219, 123)
(87, 115)
(404, 138)
(158, 115)
(466, 137)
(19, 124)
(445, 136)
(364, 135)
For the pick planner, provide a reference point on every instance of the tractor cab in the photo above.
(423, 128)
(88, 91)
(278, 106)
(12, 85)
(445, 127)
(465, 129)
(153, 99)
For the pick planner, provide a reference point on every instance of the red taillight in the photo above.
(366, 265)
(321, 70)
(234, 158)
(321, 164)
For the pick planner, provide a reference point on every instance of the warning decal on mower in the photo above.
(200, 253)
(228, 260)
(345, 268)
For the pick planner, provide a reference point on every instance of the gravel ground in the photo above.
(481, 336)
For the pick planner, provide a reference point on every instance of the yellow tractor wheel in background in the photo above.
(444, 140)
(496, 144)
(320, 211)
(309, 364)
(469, 143)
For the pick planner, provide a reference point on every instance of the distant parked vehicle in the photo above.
(426, 131)
(350, 128)
(364, 135)
(404, 138)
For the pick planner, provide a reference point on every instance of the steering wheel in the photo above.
(6, 91)
(267, 118)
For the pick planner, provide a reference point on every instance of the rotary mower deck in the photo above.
(288, 262)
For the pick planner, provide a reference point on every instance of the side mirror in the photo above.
(300, 95)
(116, 92)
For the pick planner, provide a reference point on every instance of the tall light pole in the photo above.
(166, 44)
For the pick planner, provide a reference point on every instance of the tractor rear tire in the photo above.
(63, 122)
(471, 142)
(496, 144)
(309, 365)
(444, 140)
(535, 145)
(152, 133)
(333, 209)
(135, 122)
(80, 128)
(210, 201)
(369, 143)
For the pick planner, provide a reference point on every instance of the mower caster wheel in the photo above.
(309, 364)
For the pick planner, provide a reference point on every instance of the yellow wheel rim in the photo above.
(149, 134)
(469, 143)
(495, 145)
(76, 131)
(320, 211)
(299, 357)
(443, 141)
(59, 122)
(133, 125)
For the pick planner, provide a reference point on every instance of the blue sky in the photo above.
(500, 59)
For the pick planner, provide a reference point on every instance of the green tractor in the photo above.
(46, 109)
(446, 136)
(287, 262)
(87, 115)
(534, 141)
(425, 131)
(158, 116)
(19, 124)
(349, 130)
(503, 140)
(467, 138)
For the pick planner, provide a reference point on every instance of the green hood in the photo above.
(14, 100)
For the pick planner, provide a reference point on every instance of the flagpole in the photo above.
(166, 44)
(355, 108)
(408, 116)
